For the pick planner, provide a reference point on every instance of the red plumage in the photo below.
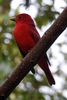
(26, 37)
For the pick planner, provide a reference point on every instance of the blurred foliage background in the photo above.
(33, 87)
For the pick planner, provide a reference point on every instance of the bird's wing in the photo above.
(34, 34)
(46, 57)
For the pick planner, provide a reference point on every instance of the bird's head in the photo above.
(23, 18)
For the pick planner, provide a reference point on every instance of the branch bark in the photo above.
(33, 56)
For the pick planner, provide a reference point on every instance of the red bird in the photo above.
(26, 37)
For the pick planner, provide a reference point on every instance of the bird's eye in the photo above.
(19, 17)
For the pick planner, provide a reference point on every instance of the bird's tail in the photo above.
(44, 65)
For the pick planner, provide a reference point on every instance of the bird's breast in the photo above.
(23, 39)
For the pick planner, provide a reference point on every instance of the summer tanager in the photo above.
(26, 37)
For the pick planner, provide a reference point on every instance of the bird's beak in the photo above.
(13, 18)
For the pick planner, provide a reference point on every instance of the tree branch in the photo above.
(33, 56)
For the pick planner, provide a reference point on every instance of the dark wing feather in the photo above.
(34, 34)
(46, 57)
